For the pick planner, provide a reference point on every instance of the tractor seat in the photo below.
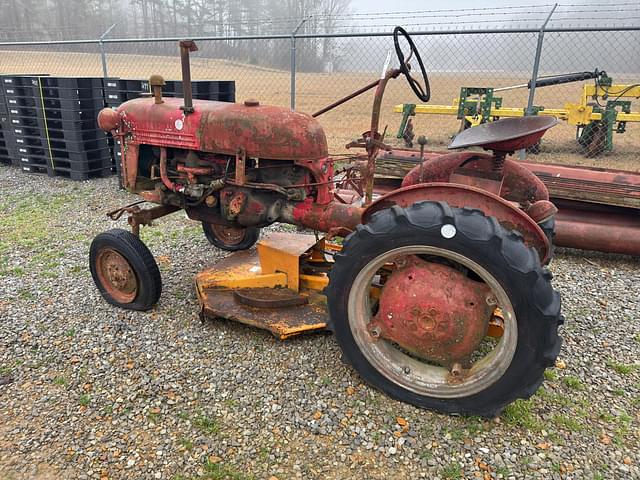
(505, 135)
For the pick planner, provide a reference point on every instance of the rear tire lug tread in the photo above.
(386, 225)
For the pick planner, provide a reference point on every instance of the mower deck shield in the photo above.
(269, 275)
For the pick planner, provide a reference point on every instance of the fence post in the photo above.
(534, 74)
(103, 53)
(293, 61)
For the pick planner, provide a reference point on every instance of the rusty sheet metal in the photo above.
(220, 127)
(263, 131)
(443, 323)
(283, 322)
(215, 287)
(518, 183)
(587, 184)
(509, 216)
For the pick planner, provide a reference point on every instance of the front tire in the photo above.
(124, 270)
(530, 342)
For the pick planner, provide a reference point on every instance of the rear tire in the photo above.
(230, 239)
(502, 254)
(124, 270)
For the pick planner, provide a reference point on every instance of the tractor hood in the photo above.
(219, 127)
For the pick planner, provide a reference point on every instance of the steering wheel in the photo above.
(424, 94)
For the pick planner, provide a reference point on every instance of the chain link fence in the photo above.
(264, 68)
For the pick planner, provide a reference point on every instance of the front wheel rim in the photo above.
(116, 275)
(413, 374)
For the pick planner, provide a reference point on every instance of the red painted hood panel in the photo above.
(220, 127)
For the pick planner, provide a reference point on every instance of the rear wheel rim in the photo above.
(230, 236)
(116, 275)
(409, 372)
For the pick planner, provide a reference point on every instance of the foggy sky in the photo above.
(408, 5)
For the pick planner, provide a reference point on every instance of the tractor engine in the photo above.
(228, 164)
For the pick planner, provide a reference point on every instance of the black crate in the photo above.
(52, 116)
(74, 135)
(34, 160)
(80, 157)
(113, 83)
(132, 85)
(82, 146)
(35, 169)
(19, 81)
(21, 141)
(53, 93)
(56, 144)
(73, 115)
(71, 82)
(23, 112)
(96, 164)
(57, 103)
(62, 154)
(79, 176)
(53, 124)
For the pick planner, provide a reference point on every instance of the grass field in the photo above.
(315, 90)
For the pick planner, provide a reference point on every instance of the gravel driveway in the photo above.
(91, 391)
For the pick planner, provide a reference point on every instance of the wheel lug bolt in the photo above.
(456, 369)
(375, 332)
(406, 370)
(491, 300)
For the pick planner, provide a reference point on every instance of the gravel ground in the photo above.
(94, 392)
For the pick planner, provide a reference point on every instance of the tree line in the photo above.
(88, 19)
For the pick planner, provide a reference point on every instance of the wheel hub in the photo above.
(433, 311)
(228, 235)
(117, 276)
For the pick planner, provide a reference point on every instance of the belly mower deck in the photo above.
(276, 287)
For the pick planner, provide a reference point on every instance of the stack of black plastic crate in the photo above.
(118, 90)
(54, 128)
(5, 129)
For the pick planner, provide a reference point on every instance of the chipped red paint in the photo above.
(509, 216)
(444, 323)
(518, 183)
(219, 127)
(323, 218)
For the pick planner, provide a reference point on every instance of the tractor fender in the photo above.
(464, 196)
(519, 184)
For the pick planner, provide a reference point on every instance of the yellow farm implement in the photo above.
(604, 108)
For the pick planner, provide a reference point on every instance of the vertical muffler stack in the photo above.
(187, 46)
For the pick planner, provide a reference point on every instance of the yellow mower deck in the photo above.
(275, 287)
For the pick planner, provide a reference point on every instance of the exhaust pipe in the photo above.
(187, 46)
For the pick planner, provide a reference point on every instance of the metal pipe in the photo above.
(337, 103)
(536, 61)
(293, 61)
(284, 36)
(187, 46)
(103, 53)
(599, 231)
(165, 176)
(522, 153)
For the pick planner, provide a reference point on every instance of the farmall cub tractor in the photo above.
(438, 295)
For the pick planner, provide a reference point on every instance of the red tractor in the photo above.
(438, 294)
